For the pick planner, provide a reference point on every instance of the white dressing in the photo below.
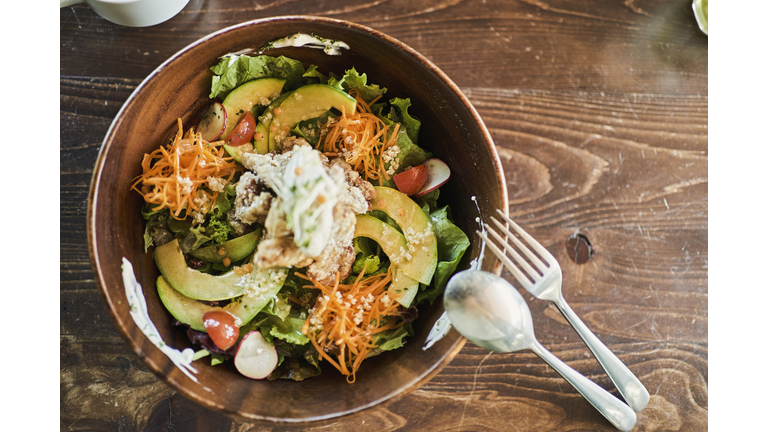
(308, 196)
(140, 314)
(330, 47)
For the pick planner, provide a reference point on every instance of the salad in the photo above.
(298, 221)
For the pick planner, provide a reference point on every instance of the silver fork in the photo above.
(544, 282)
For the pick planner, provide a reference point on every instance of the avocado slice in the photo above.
(202, 286)
(235, 249)
(307, 102)
(395, 247)
(190, 311)
(243, 99)
(262, 126)
(417, 230)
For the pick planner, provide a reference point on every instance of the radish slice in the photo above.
(439, 173)
(255, 357)
(212, 122)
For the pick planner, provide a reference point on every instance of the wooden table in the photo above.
(599, 113)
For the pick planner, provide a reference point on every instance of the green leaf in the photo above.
(218, 359)
(391, 339)
(370, 263)
(354, 80)
(232, 72)
(399, 113)
(451, 245)
(315, 76)
(288, 329)
(300, 362)
(429, 200)
(310, 129)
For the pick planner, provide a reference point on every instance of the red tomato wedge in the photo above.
(243, 132)
(222, 327)
(411, 180)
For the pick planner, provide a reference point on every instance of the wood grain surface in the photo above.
(599, 111)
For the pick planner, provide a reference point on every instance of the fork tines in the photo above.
(520, 267)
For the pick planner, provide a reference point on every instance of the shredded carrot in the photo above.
(346, 317)
(362, 139)
(172, 176)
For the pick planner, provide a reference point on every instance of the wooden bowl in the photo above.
(179, 88)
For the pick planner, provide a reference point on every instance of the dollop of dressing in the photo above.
(329, 46)
(477, 262)
(439, 330)
(140, 315)
(308, 197)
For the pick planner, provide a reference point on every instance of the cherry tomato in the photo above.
(222, 327)
(243, 131)
(411, 180)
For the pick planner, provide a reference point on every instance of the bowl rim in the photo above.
(95, 257)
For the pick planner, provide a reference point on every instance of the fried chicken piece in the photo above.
(278, 247)
(280, 252)
(253, 200)
(339, 253)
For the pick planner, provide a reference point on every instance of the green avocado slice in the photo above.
(190, 311)
(417, 230)
(305, 103)
(262, 126)
(394, 246)
(201, 286)
(235, 249)
(243, 99)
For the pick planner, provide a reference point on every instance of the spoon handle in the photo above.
(619, 414)
(630, 388)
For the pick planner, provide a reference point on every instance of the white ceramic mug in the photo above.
(133, 13)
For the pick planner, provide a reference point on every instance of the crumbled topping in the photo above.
(216, 184)
(390, 155)
(186, 184)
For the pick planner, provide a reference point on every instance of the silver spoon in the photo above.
(490, 312)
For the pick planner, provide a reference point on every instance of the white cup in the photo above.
(133, 13)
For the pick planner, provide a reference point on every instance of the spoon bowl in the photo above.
(489, 311)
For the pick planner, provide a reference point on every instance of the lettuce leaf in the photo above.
(297, 362)
(314, 76)
(353, 80)
(389, 340)
(288, 329)
(451, 245)
(310, 129)
(399, 114)
(231, 72)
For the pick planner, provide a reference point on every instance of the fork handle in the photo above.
(615, 411)
(630, 388)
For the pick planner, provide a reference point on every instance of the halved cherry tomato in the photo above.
(411, 180)
(243, 131)
(222, 327)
